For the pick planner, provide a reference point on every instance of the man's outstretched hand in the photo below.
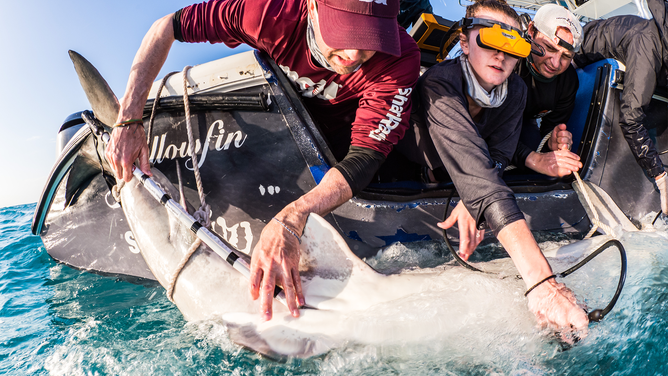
(555, 307)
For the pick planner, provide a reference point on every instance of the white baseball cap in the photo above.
(550, 17)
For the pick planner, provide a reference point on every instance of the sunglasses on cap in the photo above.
(494, 35)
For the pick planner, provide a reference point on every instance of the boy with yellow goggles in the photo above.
(495, 36)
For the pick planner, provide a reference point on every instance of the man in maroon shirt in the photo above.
(355, 68)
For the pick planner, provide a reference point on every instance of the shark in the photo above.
(347, 300)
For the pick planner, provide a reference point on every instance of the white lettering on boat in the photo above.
(272, 190)
(231, 234)
(216, 138)
(130, 238)
(310, 89)
(393, 117)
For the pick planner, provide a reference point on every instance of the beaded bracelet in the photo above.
(128, 122)
(289, 230)
(538, 284)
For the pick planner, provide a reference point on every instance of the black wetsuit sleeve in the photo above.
(359, 167)
(643, 64)
(176, 23)
(521, 154)
(567, 88)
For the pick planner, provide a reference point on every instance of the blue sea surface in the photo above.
(56, 320)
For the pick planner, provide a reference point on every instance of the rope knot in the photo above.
(202, 215)
(116, 190)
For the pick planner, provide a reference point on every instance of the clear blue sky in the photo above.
(40, 87)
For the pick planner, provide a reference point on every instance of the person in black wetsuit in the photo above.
(641, 45)
(552, 83)
(467, 118)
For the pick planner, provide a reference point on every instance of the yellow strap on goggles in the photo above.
(507, 41)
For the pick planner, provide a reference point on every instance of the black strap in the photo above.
(232, 258)
(538, 284)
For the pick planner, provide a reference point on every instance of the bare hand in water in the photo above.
(555, 307)
(469, 235)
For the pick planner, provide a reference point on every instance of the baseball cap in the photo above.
(552, 16)
(360, 25)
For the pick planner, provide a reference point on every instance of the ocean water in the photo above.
(56, 320)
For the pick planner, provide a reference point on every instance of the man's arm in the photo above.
(551, 302)
(128, 144)
(275, 258)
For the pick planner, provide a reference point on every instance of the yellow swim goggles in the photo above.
(494, 35)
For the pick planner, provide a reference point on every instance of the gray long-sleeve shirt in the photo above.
(473, 153)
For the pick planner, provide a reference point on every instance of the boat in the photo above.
(259, 149)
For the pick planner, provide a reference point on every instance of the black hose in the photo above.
(599, 314)
(596, 314)
(459, 260)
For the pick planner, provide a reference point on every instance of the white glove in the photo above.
(662, 184)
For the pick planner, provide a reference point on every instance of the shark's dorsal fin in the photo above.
(102, 99)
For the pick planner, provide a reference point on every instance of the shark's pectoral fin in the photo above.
(283, 336)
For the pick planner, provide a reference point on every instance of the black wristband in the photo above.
(538, 284)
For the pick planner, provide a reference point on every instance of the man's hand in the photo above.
(558, 163)
(126, 145)
(561, 139)
(555, 307)
(662, 184)
(275, 261)
(469, 235)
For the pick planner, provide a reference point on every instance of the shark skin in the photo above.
(207, 285)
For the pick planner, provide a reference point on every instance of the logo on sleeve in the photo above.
(393, 117)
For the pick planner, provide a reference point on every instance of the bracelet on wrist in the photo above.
(538, 284)
(128, 122)
(288, 229)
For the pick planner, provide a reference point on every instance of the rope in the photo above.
(544, 141)
(202, 214)
(540, 147)
(155, 105)
(596, 223)
(116, 189)
(171, 283)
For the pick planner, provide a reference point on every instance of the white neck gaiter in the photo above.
(479, 95)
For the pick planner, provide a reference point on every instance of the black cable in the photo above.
(657, 217)
(459, 260)
(596, 314)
